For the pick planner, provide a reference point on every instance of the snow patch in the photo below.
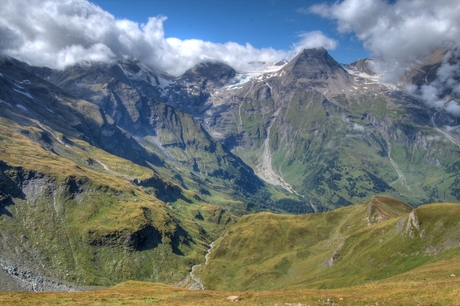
(4, 102)
(23, 93)
(452, 128)
(244, 77)
(358, 127)
(164, 82)
(22, 107)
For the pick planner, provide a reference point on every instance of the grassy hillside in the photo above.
(432, 284)
(374, 240)
(75, 213)
(338, 149)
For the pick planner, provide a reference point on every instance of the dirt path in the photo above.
(107, 169)
(401, 176)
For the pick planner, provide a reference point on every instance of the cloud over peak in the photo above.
(398, 32)
(402, 33)
(58, 33)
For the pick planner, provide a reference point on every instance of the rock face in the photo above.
(311, 109)
(158, 133)
(17, 279)
(363, 65)
(334, 137)
(208, 75)
(315, 69)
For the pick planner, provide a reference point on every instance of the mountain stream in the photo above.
(191, 281)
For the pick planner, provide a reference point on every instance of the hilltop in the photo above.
(374, 240)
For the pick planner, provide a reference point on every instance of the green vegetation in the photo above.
(375, 240)
(341, 149)
(432, 284)
(115, 186)
(81, 217)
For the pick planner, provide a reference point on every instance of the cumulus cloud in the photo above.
(314, 39)
(399, 34)
(58, 33)
(396, 33)
(444, 91)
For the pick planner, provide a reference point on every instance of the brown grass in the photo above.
(429, 285)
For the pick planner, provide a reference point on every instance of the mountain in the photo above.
(315, 70)
(374, 240)
(84, 199)
(363, 65)
(73, 211)
(116, 171)
(188, 154)
(337, 136)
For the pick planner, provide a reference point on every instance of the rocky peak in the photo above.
(315, 69)
(363, 65)
(215, 73)
(314, 64)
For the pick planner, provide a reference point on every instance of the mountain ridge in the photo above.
(143, 170)
(339, 248)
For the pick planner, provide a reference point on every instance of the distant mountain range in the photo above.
(117, 171)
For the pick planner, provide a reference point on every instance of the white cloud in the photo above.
(314, 39)
(58, 33)
(399, 32)
(444, 89)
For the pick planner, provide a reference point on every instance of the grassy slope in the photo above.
(431, 284)
(86, 222)
(347, 246)
(335, 150)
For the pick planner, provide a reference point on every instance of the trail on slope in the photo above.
(107, 169)
(401, 176)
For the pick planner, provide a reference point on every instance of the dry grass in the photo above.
(428, 285)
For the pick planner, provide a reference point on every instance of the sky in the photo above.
(174, 35)
(278, 24)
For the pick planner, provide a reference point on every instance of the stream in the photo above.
(192, 281)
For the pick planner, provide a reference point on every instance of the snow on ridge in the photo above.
(240, 79)
(354, 72)
(24, 93)
(260, 75)
(164, 82)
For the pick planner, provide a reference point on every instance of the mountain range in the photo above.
(117, 171)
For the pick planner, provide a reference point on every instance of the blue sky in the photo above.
(262, 23)
(172, 36)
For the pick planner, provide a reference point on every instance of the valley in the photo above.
(312, 180)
